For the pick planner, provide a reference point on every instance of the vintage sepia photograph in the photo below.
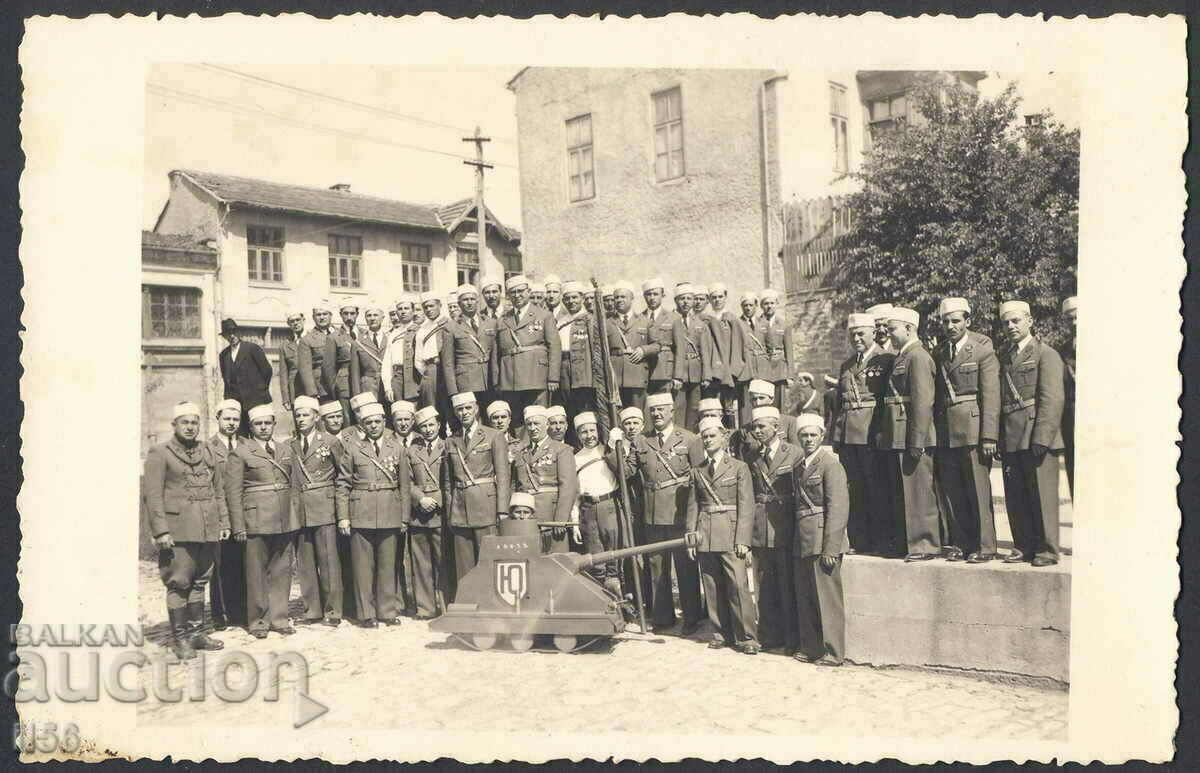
(747, 389)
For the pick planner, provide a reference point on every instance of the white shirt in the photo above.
(233, 351)
(565, 324)
(311, 436)
(808, 460)
(597, 480)
(773, 448)
(666, 433)
(230, 441)
(1023, 343)
(264, 443)
(428, 346)
(715, 461)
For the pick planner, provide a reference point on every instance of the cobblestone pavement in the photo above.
(411, 679)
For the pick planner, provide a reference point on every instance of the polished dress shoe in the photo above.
(919, 557)
(287, 630)
(690, 627)
(749, 648)
(366, 623)
(1040, 561)
(979, 558)
(954, 554)
(1015, 557)
(332, 622)
(391, 621)
(803, 658)
(308, 621)
(258, 633)
(717, 644)
(829, 661)
(851, 552)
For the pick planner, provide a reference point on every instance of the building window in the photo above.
(468, 266)
(512, 264)
(668, 134)
(414, 266)
(170, 312)
(580, 165)
(839, 123)
(885, 114)
(264, 253)
(345, 261)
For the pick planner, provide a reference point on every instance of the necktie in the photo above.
(230, 442)
(474, 325)
(712, 463)
(270, 449)
(860, 359)
(304, 443)
(376, 444)
(624, 320)
(375, 339)
(767, 455)
(800, 468)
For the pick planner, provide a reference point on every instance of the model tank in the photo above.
(517, 592)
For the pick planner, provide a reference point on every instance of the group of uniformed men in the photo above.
(391, 477)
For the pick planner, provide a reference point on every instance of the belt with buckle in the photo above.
(658, 485)
(1014, 407)
(476, 482)
(810, 513)
(254, 487)
(318, 485)
(900, 400)
(717, 508)
(376, 487)
(588, 499)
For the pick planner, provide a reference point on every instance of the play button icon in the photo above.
(307, 710)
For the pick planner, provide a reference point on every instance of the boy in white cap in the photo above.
(339, 351)
(227, 589)
(1031, 405)
(822, 505)
(476, 478)
(747, 335)
(770, 347)
(466, 356)
(545, 468)
(599, 499)
(374, 508)
(862, 383)
(425, 531)
(310, 354)
(665, 339)
(575, 382)
(628, 338)
(664, 459)
(729, 346)
(723, 516)
(527, 357)
(315, 459)
(908, 436)
(188, 518)
(1070, 307)
(289, 362)
(966, 417)
(263, 516)
(366, 356)
(521, 506)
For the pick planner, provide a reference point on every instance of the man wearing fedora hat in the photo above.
(244, 371)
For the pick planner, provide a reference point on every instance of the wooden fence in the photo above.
(815, 233)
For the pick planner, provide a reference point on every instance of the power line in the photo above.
(200, 99)
(332, 98)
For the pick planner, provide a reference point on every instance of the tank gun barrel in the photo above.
(580, 562)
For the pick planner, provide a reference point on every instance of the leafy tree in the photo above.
(964, 202)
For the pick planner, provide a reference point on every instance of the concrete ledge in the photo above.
(990, 617)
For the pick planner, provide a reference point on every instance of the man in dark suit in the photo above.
(245, 371)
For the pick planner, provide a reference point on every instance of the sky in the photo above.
(229, 119)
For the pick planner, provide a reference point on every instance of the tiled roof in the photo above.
(452, 213)
(174, 242)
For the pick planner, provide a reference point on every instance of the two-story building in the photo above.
(703, 175)
(276, 248)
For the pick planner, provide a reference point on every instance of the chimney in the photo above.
(341, 187)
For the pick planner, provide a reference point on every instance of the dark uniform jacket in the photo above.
(339, 347)
(665, 473)
(774, 500)
(183, 492)
(749, 334)
(907, 410)
(577, 360)
(664, 338)
(966, 407)
(724, 512)
(249, 379)
(623, 339)
(1031, 398)
(289, 370)
(310, 356)
(696, 360)
(525, 351)
(399, 366)
(860, 389)
(425, 462)
(742, 443)
(770, 348)
(220, 451)
(466, 356)
(314, 478)
(729, 344)
(477, 477)
(822, 506)
(547, 471)
(366, 364)
(373, 488)
(259, 489)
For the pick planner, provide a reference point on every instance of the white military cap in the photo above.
(660, 398)
(187, 408)
(513, 282)
(348, 303)
(810, 420)
(466, 290)
(534, 411)
(710, 422)
(426, 297)
(623, 286)
(361, 399)
(373, 305)
(717, 287)
(1013, 307)
(537, 287)
(951, 305)
(333, 406)
(228, 405)
(552, 279)
(758, 386)
(684, 288)
(369, 410)
(805, 374)
(556, 410)
(748, 296)
(769, 293)
(653, 284)
(905, 315)
(489, 281)
(608, 291)
(700, 290)
(710, 404)
(405, 299)
(452, 296)
(880, 311)
(520, 499)
(764, 412)
(425, 414)
(632, 412)
(322, 305)
(304, 401)
(262, 411)
(860, 320)
(1070, 304)
(498, 406)
(403, 406)
(295, 315)
(830, 380)
(574, 286)
(584, 419)
(462, 398)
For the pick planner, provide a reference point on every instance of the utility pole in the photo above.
(480, 212)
